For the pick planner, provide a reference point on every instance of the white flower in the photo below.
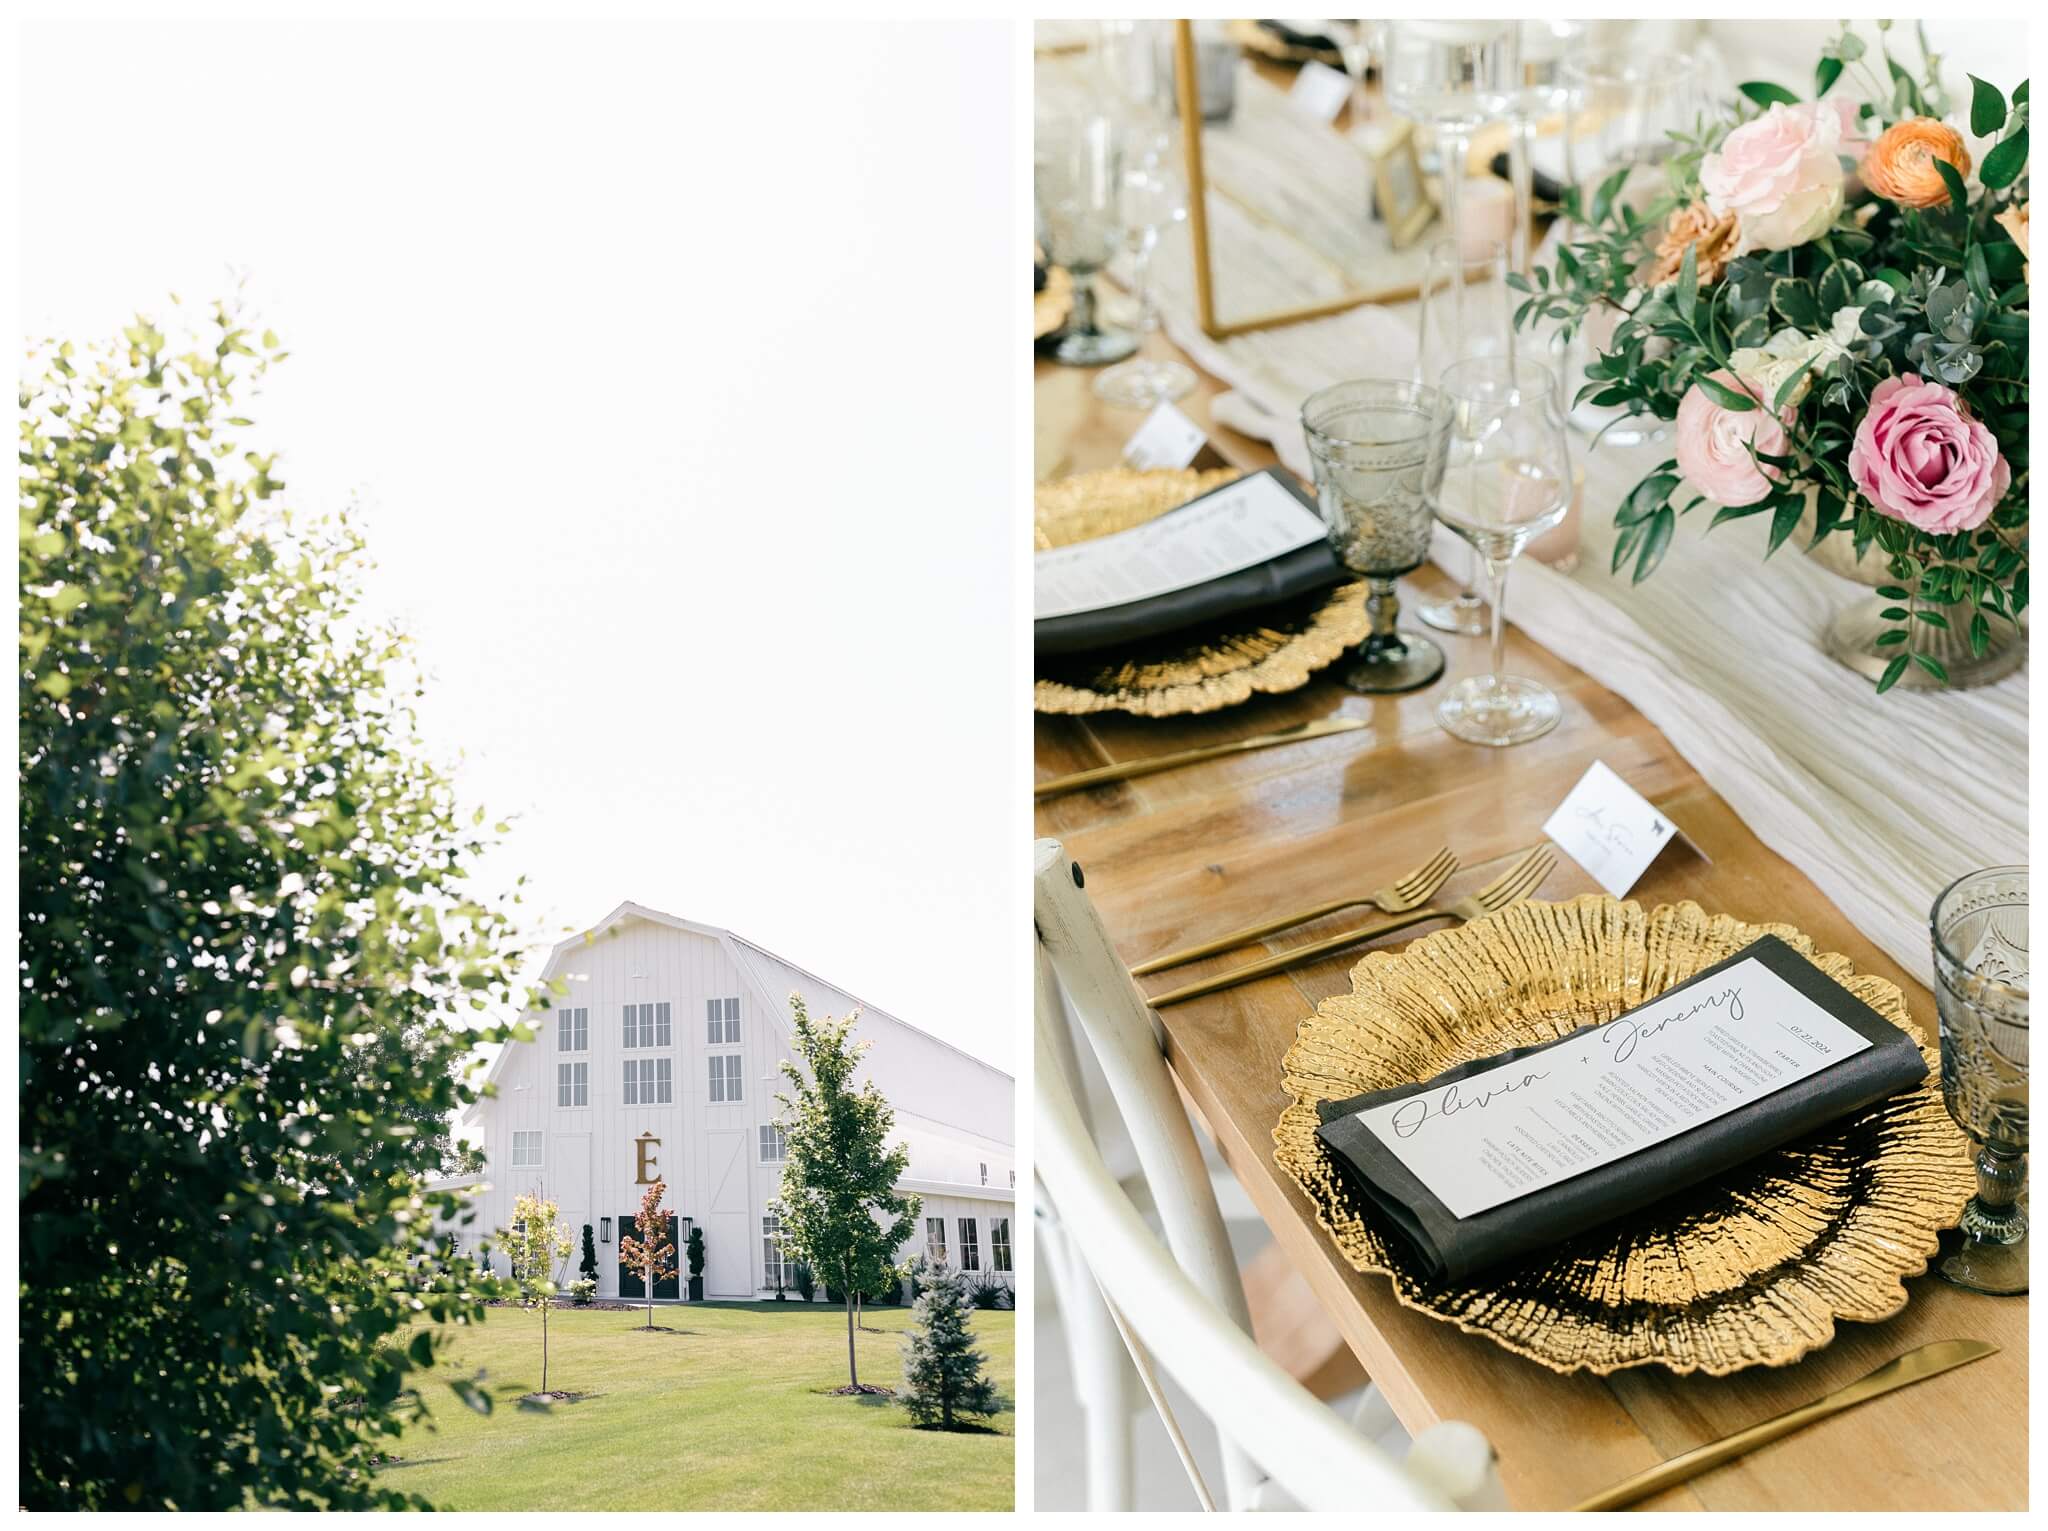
(1847, 327)
(1766, 367)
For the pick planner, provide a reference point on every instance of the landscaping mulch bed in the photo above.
(858, 1389)
(554, 1395)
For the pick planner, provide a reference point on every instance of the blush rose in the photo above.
(1918, 458)
(1714, 442)
(1780, 175)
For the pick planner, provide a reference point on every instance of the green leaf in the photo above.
(1958, 194)
(2004, 163)
(2019, 94)
(1891, 675)
(1785, 389)
(1764, 93)
(1732, 399)
(1796, 301)
(1656, 540)
(1987, 108)
(1980, 635)
(1686, 294)
(1738, 512)
(1825, 73)
(1783, 520)
(1932, 666)
(1603, 199)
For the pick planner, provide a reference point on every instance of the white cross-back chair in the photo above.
(1181, 1307)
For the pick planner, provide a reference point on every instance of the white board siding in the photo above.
(709, 1152)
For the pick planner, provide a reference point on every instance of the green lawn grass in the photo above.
(731, 1411)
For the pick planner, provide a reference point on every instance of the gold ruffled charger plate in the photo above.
(1273, 650)
(1751, 1269)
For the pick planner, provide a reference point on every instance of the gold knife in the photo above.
(1913, 1366)
(1123, 770)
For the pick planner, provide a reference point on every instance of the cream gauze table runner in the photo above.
(1881, 800)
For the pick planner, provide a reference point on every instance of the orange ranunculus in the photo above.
(1900, 165)
(1714, 236)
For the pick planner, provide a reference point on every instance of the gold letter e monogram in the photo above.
(643, 1143)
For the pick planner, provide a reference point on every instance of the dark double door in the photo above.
(630, 1284)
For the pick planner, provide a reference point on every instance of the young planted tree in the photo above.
(538, 1244)
(587, 1266)
(841, 1212)
(695, 1250)
(247, 959)
(652, 1251)
(942, 1370)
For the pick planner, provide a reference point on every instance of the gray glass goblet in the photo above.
(1378, 448)
(1980, 989)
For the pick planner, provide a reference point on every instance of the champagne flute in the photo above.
(1464, 312)
(1078, 175)
(1507, 479)
(1153, 201)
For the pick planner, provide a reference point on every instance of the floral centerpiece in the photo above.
(1830, 302)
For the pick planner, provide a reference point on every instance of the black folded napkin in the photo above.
(1313, 567)
(1451, 1248)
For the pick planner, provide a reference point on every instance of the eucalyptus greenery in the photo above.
(1942, 293)
(247, 962)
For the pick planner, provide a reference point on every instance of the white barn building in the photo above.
(662, 1060)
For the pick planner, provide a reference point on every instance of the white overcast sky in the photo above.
(674, 377)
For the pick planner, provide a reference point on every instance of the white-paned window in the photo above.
(771, 1252)
(525, 1150)
(725, 1077)
(935, 1239)
(648, 1025)
(970, 1251)
(774, 1144)
(649, 1082)
(722, 1022)
(984, 1174)
(999, 1243)
(1013, 1180)
(572, 1084)
(572, 1030)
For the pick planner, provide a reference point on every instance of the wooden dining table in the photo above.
(1174, 857)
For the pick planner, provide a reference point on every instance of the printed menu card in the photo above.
(1510, 1154)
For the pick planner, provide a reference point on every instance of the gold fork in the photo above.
(1411, 892)
(1511, 887)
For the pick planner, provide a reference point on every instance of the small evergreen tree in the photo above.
(588, 1264)
(804, 1279)
(942, 1376)
(651, 1251)
(537, 1243)
(841, 1213)
(695, 1246)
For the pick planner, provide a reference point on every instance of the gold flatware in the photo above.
(1511, 887)
(1124, 770)
(1412, 891)
(1913, 1366)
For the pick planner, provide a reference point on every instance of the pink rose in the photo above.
(1918, 458)
(1780, 175)
(1714, 441)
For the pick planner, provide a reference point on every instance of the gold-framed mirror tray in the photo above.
(1273, 650)
(1754, 1268)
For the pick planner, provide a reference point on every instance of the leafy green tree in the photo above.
(537, 1244)
(246, 957)
(942, 1370)
(841, 1213)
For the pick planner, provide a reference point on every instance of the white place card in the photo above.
(1232, 528)
(1167, 439)
(1611, 830)
(1707, 1049)
(1319, 92)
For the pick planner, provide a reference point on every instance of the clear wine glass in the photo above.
(1464, 312)
(1078, 176)
(1378, 449)
(1980, 991)
(1456, 76)
(1507, 478)
(1547, 49)
(1153, 201)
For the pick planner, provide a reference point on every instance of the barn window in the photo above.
(572, 1084)
(722, 1022)
(935, 1240)
(970, 1252)
(999, 1243)
(984, 1174)
(649, 1082)
(725, 1077)
(572, 1031)
(774, 1144)
(648, 1025)
(526, 1150)
(771, 1251)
